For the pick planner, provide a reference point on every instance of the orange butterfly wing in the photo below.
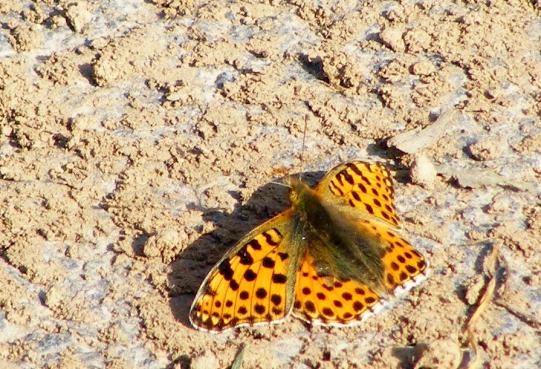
(367, 188)
(330, 300)
(250, 283)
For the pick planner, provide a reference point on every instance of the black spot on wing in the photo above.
(250, 275)
(362, 187)
(328, 312)
(268, 262)
(370, 300)
(411, 269)
(348, 177)
(309, 305)
(369, 209)
(336, 188)
(225, 270)
(279, 278)
(260, 309)
(233, 285)
(366, 180)
(276, 299)
(261, 293)
(245, 256)
(254, 244)
(355, 169)
(339, 179)
(270, 240)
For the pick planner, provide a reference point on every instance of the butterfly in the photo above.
(332, 258)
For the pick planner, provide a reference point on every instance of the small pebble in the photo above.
(392, 37)
(423, 172)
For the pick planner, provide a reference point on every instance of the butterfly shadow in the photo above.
(189, 269)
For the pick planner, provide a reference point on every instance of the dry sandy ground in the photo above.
(139, 140)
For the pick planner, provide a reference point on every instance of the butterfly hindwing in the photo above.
(402, 263)
(366, 187)
(252, 283)
(330, 300)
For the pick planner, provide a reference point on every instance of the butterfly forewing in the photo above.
(253, 282)
(366, 187)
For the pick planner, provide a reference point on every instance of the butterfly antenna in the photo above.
(281, 184)
(303, 145)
